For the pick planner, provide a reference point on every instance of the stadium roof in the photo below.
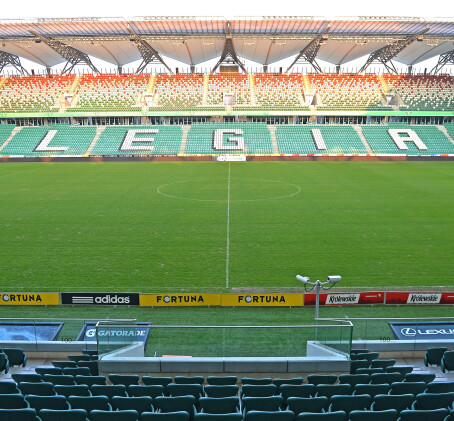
(193, 40)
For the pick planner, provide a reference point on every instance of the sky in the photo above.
(226, 9)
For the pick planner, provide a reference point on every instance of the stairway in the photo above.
(74, 85)
(307, 85)
(206, 80)
(186, 129)
(16, 130)
(99, 130)
(272, 129)
(358, 130)
(445, 132)
(2, 82)
(383, 83)
(252, 89)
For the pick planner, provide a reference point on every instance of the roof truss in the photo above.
(7, 59)
(444, 60)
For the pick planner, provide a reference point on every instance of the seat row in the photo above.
(440, 356)
(10, 357)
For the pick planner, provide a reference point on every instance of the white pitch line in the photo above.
(227, 247)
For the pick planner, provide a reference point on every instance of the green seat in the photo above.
(76, 371)
(90, 352)
(256, 381)
(79, 357)
(221, 391)
(257, 390)
(270, 403)
(358, 364)
(13, 401)
(72, 390)
(415, 415)
(269, 416)
(67, 415)
(48, 369)
(195, 390)
(222, 380)
(388, 415)
(151, 381)
(59, 379)
(402, 388)
(382, 363)
(91, 380)
(297, 391)
(227, 405)
(26, 377)
(354, 379)
(91, 365)
(356, 351)
(176, 404)
(420, 377)
(428, 401)
(97, 415)
(371, 389)
(295, 381)
(189, 380)
(218, 417)
(300, 405)
(26, 414)
(39, 389)
(329, 390)
(440, 387)
(90, 403)
(382, 378)
(434, 355)
(47, 402)
(402, 369)
(397, 402)
(151, 391)
(108, 390)
(369, 371)
(369, 356)
(140, 404)
(447, 361)
(316, 379)
(16, 357)
(7, 387)
(64, 364)
(4, 363)
(124, 379)
(329, 416)
(165, 416)
(350, 403)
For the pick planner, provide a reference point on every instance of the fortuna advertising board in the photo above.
(422, 330)
(29, 298)
(180, 300)
(100, 298)
(263, 300)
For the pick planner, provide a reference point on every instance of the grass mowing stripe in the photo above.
(227, 247)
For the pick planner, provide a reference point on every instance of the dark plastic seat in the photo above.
(435, 415)
(221, 391)
(79, 357)
(39, 389)
(447, 362)
(7, 387)
(403, 388)
(228, 405)
(140, 404)
(350, 403)
(356, 351)
(388, 415)
(371, 389)
(189, 380)
(56, 402)
(397, 402)
(329, 416)
(26, 377)
(91, 380)
(16, 357)
(297, 391)
(428, 401)
(64, 364)
(91, 353)
(4, 363)
(420, 377)
(370, 371)
(321, 379)
(76, 371)
(124, 379)
(175, 404)
(13, 401)
(259, 391)
(294, 380)
(25, 414)
(440, 387)
(89, 403)
(329, 390)
(434, 355)
(222, 380)
(382, 364)
(402, 369)
(91, 365)
(48, 369)
(67, 415)
(59, 379)
(388, 378)
(97, 415)
(151, 381)
(271, 403)
(151, 391)
(72, 390)
(354, 379)
(110, 390)
(358, 364)
(369, 356)
(269, 416)
(300, 405)
(195, 390)
(165, 416)
(258, 381)
(218, 417)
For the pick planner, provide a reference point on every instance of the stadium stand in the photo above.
(34, 94)
(110, 93)
(129, 140)
(59, 139)
(178, 92)
(221, 84)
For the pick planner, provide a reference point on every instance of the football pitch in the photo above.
(193, 226)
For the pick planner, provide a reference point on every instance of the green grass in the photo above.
(105, 226)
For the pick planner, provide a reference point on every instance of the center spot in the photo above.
(241, 190)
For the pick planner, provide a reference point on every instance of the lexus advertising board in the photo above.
(100, 298)
(423, 330)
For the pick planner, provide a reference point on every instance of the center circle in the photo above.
(219, 190)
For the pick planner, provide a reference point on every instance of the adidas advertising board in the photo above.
(100, 298)
(422, 330)
(29, 299)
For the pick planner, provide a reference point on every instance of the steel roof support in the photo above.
(385, 54)
(444, 60)
(73, 56)
(7, 59)
(148, 53)
(229, 55)
(309, 53)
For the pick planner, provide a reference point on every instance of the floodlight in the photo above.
(304, 279)
(333, 278)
